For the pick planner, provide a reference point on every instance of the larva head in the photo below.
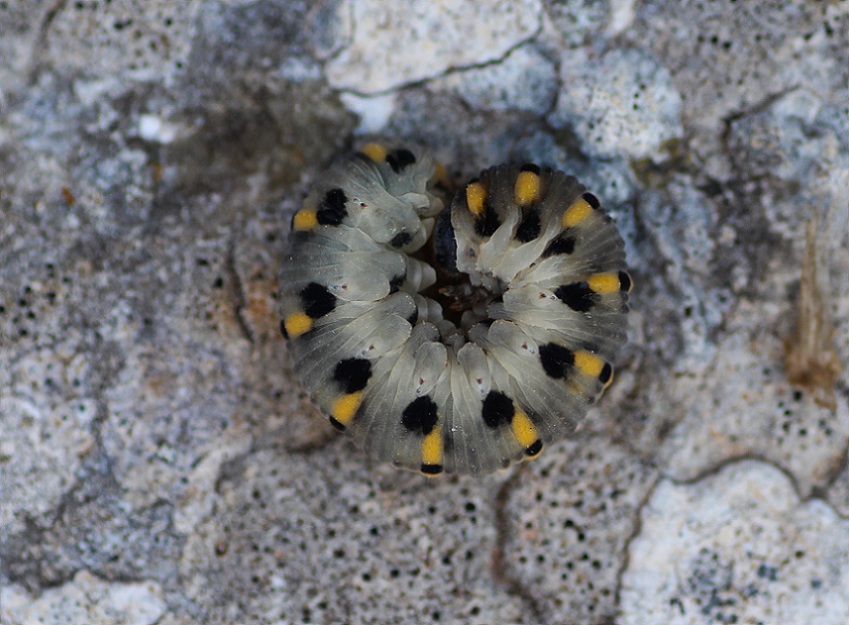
(388, 193)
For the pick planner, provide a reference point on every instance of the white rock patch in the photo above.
(396, 43)
(737, 547)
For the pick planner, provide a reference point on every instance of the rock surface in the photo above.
(738, 546)
(159, 462)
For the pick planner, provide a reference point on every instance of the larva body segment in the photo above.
(468, 366)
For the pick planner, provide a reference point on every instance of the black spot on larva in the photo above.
(336, 424)
(431, 469)
(563, 243)
(534, 169)
(352, 374)
(487, 223)
(624, 281)
(606, 373)
(420, 416)
(578, 296)
(497, 409)
(445, 242)
(555, 359)
(591, 200)
(400, 240)
(399, 159)
(331, 210)
(534, 448)
(283, 329)
(318, 301)
(529, 229)
(397, 282)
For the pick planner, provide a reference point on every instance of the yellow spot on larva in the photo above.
(475, 197)
(604, 283)
(524, 430)
(297, 323)
(346, 407)
(588, 364)
(527, 188)
(305, 219)
(432, 447)
(375, 152)
(440, 175)
(576, 213)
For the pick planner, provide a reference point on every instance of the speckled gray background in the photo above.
(159, 463)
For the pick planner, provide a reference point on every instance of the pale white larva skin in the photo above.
(538, 273)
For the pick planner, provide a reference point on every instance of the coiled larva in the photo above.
(459, 340)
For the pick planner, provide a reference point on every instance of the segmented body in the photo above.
(535, 289)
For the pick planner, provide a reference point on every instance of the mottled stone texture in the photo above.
(159, 462)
